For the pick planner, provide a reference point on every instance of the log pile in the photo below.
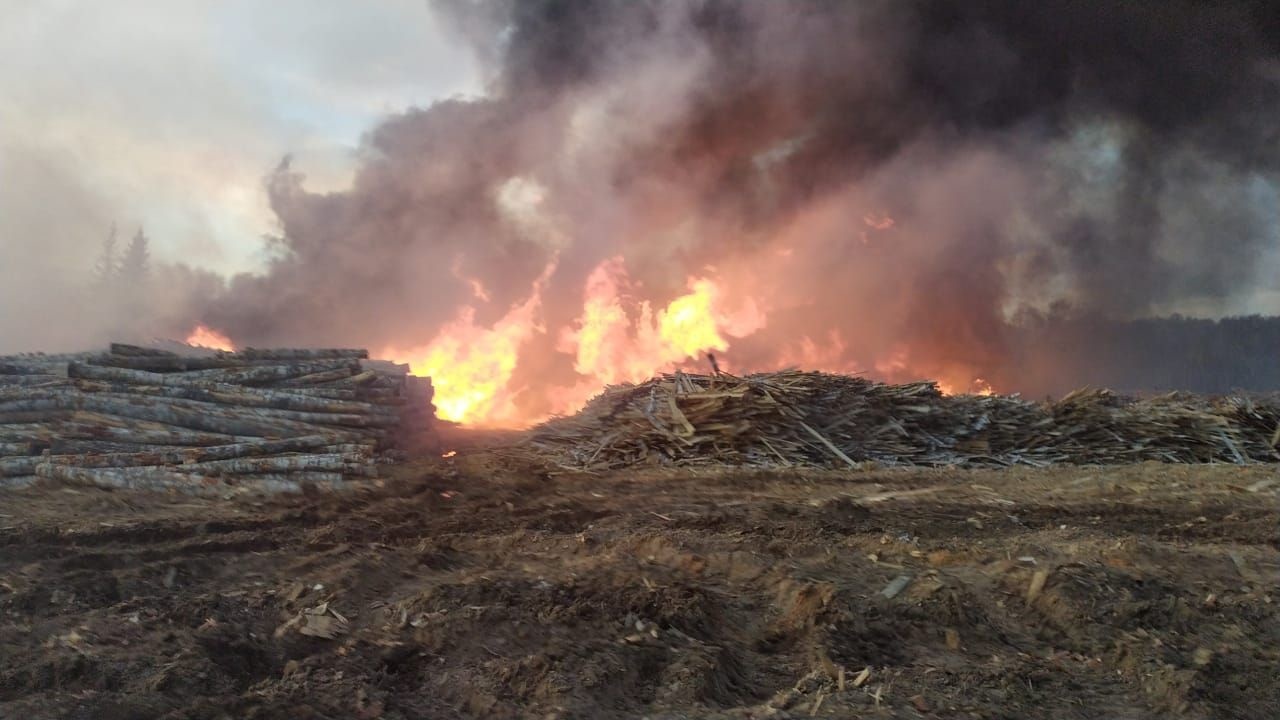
(794, 418)
(268, 420)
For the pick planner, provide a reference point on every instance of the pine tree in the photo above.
(135, 266)
(107, 266)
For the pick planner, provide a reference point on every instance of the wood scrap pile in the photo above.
(268, 420)
(816, 419)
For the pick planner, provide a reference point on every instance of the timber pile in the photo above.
(258, 420)
(794, 418)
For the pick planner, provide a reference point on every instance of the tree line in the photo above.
(1210, 356)
(128, 268)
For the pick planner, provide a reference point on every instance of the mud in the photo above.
(484, 587)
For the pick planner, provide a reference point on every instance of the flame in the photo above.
(611, 346)
(977, 386)
(619, 336)
(613, 340)
(206, 337)
(471, 366)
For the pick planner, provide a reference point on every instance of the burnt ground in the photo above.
(482, 587)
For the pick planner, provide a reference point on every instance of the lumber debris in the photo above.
(794, 418)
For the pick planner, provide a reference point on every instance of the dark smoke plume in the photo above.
(1040, 161)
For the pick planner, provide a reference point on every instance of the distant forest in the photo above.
(1151, 355)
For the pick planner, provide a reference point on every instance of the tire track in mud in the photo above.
(498, 594)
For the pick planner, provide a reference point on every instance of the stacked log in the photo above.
(271, 420)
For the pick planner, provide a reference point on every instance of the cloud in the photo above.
(169, 116)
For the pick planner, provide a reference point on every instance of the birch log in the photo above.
(281, 464)
(161, 479)
(299, 354)
(226, 394)
(165, 455)
(17, 448)
(144, 418)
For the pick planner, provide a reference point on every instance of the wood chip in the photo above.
(322, 626)
(1038, 580)
(896, 586)
(953, 638)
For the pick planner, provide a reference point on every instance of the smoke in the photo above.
(898, 186)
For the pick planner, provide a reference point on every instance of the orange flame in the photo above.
(472, 367)
(619, 338)
(206, 337)
(609, 347)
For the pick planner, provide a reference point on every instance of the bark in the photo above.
(261, 421)
(290, 482)
(300, 354)
(266, 374)
(16, 466)
(37, 400)
(351, 449)
(163, 455)
(352, 464)
(22, 358)
(137, 478)
(90, 426)
(161, 479)
(16, 382)
(18, 482)
(208, 417)
(233, 375)
(32, 367)
(239, 396)
(17, 448)
(165, 364)
(66, 446)
(260, 447)
(138, 351)
(319, 378)
(33, 416)
(363, 378)
(27, 432)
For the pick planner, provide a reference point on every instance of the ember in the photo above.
(204, 337)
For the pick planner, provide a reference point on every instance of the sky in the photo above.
(168, 115)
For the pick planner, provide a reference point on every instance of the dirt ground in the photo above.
(483, 587)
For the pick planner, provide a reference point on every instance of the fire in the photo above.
(619, 336)
(206, 337)
(609, 346)
(471, 366)
(977, 386)
(613, 340)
